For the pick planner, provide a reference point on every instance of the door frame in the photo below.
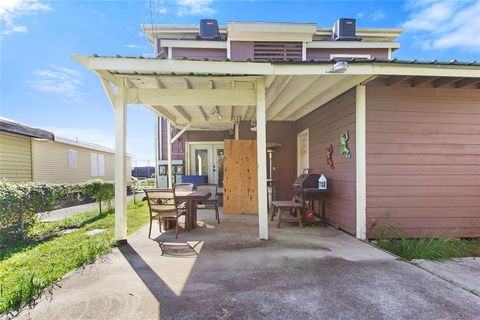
(299, 135)
(192, 143)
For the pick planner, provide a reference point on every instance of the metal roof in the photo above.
(454, 62)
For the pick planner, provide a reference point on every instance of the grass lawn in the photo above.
(29, 268)
(431, 248)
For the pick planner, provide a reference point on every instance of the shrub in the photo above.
(99, 190)
(20, 203)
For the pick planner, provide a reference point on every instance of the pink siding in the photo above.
(325, 125)
(199, 53)
(324, 54)
(241, 50)
(423, 160)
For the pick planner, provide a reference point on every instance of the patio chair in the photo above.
(182, 187)
(212, 202)
(163, 206)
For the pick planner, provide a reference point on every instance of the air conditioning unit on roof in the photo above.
(208, 30)
(345, 30)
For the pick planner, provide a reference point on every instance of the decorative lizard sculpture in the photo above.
(344, 150)
(329, 152)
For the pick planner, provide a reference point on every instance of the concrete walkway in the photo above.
(224, 272)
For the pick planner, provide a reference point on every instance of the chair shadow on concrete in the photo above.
(179, 248)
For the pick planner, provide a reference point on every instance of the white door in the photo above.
(302, 151)
(207, 160)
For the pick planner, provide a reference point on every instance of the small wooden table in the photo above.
(192, 198)
(320, 195)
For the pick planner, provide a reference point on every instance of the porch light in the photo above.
(339, 67)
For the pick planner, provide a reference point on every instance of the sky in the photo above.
(40, 85)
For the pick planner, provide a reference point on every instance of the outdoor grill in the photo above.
(304, 181)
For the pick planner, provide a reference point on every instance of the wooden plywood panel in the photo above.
(240, 191)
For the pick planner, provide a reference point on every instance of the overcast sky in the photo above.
(42, 86)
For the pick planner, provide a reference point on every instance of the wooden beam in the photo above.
(466, 82)
(262, 161)
(276, 88)
(269, 81)
(396, 80)
(183, 113)
(203, 113)
(330, 93)
(444, 81)
(179, 134)
(314, 90)
(296, 87)
(165, 113)
(232, 112)
(418, 81)
(192, 97)
(120, 116)
(159, 83)
(247, 110)
(360, 162)
(169, 155)
(107, 87)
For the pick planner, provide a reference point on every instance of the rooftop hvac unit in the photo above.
(345, 29)
(208, 30)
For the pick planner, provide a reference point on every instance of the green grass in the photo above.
(430, 248)
(25, 274)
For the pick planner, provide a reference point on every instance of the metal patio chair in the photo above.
(163, 206)
(212, 202)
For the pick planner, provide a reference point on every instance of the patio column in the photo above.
(169, 155)
(361, 176)
(120, 115)
(262, 161)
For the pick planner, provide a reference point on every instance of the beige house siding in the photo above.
(51, 164)
(15, 158)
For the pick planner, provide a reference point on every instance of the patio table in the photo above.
(192, 198)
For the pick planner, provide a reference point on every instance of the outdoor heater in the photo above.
(271, 192)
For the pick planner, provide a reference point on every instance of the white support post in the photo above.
(120, 115)
(361, 177)
(262, 161)
(156, 138)
(169, 154)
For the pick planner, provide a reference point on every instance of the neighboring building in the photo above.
(143, 172)
(29, 154)
(414, 126)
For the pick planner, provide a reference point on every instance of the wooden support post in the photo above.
(262, 161)
(120, 115)
(361, 176)
(169, 155)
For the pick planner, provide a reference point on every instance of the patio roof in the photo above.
(214, 95)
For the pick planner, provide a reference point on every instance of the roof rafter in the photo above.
(443, 82)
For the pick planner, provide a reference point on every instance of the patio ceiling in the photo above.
(213, 95)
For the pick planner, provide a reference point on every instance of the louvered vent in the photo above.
(278, 51)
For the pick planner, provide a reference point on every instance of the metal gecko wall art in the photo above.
(328, 153)
(344, 150)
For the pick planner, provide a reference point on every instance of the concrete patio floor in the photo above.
(225, 272)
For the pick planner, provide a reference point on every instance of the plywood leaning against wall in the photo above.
(240, 191)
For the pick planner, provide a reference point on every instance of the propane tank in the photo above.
(322, 182)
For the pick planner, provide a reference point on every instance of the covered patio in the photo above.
(216, 95)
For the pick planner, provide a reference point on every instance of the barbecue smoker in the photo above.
(306, 191)
(304, 181)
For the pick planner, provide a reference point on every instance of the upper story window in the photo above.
(277, 51)
(72, 159)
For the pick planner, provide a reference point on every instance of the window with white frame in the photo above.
(72, 159)
(97, 165)
(339, 56)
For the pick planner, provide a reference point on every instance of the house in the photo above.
(30, 154)
(412, 157)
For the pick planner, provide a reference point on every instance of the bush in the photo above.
(99, 190)
(20, 203)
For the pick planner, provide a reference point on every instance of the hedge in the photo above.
(20, 203)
